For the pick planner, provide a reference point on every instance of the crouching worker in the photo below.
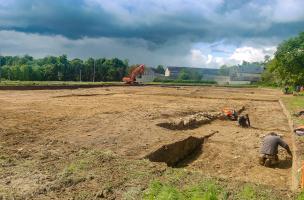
(230, 114)
(269, 150)
(244, 121)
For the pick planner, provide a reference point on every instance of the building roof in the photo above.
(150, 69)
(174, 69)
(250, 69)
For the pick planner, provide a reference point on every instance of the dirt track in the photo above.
(123, 120)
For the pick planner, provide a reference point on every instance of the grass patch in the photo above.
(132, 193)
(207, 189)
(241, 86)
(179, 84)
(183, 81)
(203, 191)
(75, 167)
(176, 184)
(53, 83)
(161, 191)
(203, 84)
(295, 104)
(86, 160)
(248, 193)
(301, 196)
(82, 168)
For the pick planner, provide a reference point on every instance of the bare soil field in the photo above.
(56, 143)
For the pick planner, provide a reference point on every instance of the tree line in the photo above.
(193, 74)
(59, 68)
(52, 68)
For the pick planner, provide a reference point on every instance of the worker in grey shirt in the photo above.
(269, 149)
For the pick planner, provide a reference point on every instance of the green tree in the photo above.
(160, 69)
(101, 70)
(75, 69)
(196, 75)
(53, 68)
(224, 70)
(288, 63)
(49, 72)
(184, 75)
(187, 74)
(88, 70)
(269, 77)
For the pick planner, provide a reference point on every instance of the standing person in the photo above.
(269, 149)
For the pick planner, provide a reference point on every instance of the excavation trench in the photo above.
(189, 122)
(179, 152)
(195, 120)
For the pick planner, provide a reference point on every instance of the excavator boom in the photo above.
(132, 78)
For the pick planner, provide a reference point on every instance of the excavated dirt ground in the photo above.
(44, 128)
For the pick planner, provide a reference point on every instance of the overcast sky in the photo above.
(198, 33)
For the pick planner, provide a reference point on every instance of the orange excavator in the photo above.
(135, 72)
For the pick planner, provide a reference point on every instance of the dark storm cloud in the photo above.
(175, 32)
(76, 19)
(69, 18)
(158, 22)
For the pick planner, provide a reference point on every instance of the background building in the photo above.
(240, 74)
(248, 72)
(173, 71)
(148, 76)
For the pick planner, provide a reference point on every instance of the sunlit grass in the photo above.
(203, 191)
(294, 105)
(52, 83)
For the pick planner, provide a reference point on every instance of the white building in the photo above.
(148, 76)
(172, 72)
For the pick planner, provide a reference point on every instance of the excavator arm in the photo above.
(132, 78)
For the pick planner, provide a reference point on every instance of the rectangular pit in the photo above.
(175, 153)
